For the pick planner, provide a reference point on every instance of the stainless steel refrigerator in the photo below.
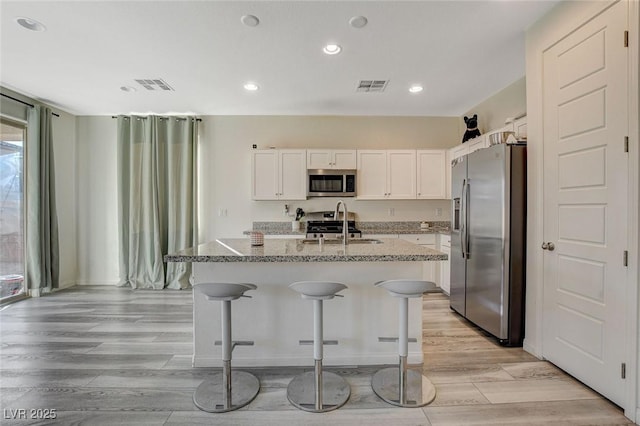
(488, 231)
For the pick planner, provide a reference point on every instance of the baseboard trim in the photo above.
(531, 349)
(114, 283)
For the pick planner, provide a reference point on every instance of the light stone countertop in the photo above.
(293, 250)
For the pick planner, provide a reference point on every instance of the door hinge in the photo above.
(625, 258)
(626, 39)
(623, 370)
(626, 144)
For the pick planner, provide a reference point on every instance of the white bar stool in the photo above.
(397, 385)
(318, 391)
(226, 391)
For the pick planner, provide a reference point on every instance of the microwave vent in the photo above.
(366, 86)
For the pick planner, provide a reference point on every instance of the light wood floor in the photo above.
(104, 355)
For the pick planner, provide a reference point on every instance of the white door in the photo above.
(585, 202)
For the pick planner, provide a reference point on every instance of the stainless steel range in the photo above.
(324, 225)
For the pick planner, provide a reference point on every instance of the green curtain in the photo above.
(156, 198)
(43, 257)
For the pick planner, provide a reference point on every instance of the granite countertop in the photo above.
(293, 250)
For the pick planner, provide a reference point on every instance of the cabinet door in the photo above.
(319, 159)
(432, 175)
(344, 159)
(293, 174)
(266, 175)
(372, 174)
(401, 174)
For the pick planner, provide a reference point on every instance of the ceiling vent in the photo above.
(154, 84)
(372, 86)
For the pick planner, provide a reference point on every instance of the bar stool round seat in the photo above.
(227, 390)
(399, 385)
(318, 391)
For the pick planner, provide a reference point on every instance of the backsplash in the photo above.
(367, 227)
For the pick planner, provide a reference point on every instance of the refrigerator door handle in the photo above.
(467, 197)
(463, 218)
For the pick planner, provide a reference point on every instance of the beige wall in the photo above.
(492, 112)
(225, 156)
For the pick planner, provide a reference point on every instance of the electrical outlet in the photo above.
(392, 211)
(438, 212)
(222, 212)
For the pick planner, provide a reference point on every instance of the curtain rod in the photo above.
(25, 103)
(166, 116)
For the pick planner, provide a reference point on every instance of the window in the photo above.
(12, 229)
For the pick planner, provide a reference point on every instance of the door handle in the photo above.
(548, 246)
(463, 218)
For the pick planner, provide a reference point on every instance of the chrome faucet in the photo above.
(345, 222)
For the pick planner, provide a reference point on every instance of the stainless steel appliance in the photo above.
(331, 183)
(325, 225)
(488, 190)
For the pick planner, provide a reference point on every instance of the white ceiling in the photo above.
(461, 51)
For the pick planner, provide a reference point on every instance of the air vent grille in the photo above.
(154, 84)
(366, 86)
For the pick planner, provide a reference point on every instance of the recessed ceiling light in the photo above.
(252, 87)
(416, 88)
(358, 21)
(127, 89)
(30, 24)
(332, 49)
(250, 20)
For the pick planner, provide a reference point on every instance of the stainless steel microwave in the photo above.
(331, 183)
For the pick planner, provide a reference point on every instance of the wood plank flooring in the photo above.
(113, 356)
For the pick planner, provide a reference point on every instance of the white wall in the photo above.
(493, 111)
(97, 201)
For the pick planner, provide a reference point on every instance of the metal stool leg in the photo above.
(399, 385)
(318, 391)
(226, 391)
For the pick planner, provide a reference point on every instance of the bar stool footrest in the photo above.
(324, 342)
(395, 339)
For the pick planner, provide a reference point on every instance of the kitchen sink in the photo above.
(336, 241)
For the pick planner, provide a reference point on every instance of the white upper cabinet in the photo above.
(279, 174)
(341, 159)
(477, 143)
(431, 174)
(386, 174)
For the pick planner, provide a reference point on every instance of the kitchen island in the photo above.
(276, 318)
